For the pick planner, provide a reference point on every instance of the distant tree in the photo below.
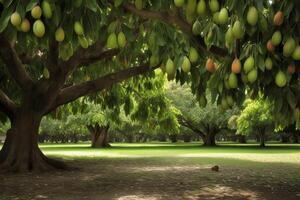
(256, 118)
(67, 128)
(206, 121)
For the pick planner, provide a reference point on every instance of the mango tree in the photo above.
(53, 52)
(203, 117)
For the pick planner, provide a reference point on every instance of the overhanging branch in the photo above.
(91, 55)
(186, 123)
(96, 57)
(175, 20)
(72, 93)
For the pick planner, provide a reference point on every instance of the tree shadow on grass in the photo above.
(159, 178)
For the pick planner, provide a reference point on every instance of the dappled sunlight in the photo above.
(223, 192)
(88, 153)
(169, 168)
(265, 158)
(207, 192)
(137, 197)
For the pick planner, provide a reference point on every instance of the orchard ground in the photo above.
(163, 171)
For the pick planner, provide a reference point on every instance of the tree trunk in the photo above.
(262, 140)
(257, 137)
(209, 139)
(99, 136)
(285, 138)
(242, 139)
(187, 137)
(295, 138)
(20, 152)
(173, 138)
(162, 137)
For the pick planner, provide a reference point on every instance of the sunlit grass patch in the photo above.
(275, 153)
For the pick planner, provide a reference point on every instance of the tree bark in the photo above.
(99, 136)
(295, 137)
(173, 138)
(209, 139)
(242, 139)
(285, 138)
(187, 137)
(20, 152)
(262, 140)
(39, 97)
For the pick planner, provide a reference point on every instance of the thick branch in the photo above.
(97, 56)
(26, 59)
(91, 55)
(7, 106)
(72, 93)
(185, 122)
(177, 21)
(14, 65)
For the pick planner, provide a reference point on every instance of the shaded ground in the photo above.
(169, 172)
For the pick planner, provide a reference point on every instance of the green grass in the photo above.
(273, 153)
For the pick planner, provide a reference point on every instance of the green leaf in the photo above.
(92, 5)
(21, 10)
(7, 3)
(261, 63)
(31, 4)
(5, 18)
(118, 3)
(291, 99)
(278, 104)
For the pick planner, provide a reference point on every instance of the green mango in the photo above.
(289, 47)
(112, 41)
(233, 81)
(122, 40)
(186, 65)
(78, 28)
(83, 42)
(252, 16)
(201, 7)
(238, 30)
(39, 28)
(252, 76)
(46, 8)
(280, 79)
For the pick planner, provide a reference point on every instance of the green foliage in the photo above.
(256, 115)
(97, 20)
(209, 116)
(136, 106)
(4, 127)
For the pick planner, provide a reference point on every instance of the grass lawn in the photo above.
(163, 171)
